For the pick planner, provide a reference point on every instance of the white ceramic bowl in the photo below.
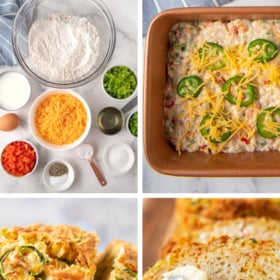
(127, 122)
(119, 158)
(110, 96)
(34, 167)
(42, 141)
(56, 184)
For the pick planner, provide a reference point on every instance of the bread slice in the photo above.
(224, 258)
(47, 252)
(117, 262)
(194, 213)
(248, 227)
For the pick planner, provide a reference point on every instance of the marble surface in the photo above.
(125, 53)
(154, 182)
(118, 219)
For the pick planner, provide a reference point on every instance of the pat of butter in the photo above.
(187, 272)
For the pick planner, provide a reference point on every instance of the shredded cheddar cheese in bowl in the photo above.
(60, 119)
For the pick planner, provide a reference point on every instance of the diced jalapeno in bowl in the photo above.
(120, 82)
(132, 123)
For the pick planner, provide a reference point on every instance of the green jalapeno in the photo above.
(232, 86)
(213, 55)
(29, 255)
(180, 47)
(268, 122)
(189, 85)
(209, 123)
(262, 50)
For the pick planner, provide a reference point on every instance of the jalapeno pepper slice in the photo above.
(214, 125)
(189, 85)
(31, 260)
(262, 50)
(268, 122)
(232, 88)
(213, 55)
(180, 47)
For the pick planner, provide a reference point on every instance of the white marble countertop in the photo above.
(125, 53)
(118, 219)
(154, 182)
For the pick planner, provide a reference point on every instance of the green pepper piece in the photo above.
(133, 124)
(213, 54)
(180, 47)
(269, 117)
(131, 272)
(208, 122)
(262, 50)
(189, 85)
(23, 249)
(231, 85)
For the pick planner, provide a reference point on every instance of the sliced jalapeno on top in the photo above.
(215, 125)
(268, 122)
(232, 88)
(30, 258)
(189, 85)
(262, 50)
(213, 55)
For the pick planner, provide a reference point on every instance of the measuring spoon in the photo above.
(86, 151)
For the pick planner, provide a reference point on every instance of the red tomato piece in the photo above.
(18, 158)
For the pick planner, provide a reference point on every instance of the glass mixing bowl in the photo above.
(93, 10)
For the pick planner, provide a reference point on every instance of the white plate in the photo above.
(58, 184)
(119, 158)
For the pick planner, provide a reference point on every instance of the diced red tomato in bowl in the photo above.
(19, 158)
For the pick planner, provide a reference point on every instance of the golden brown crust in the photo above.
(70, 253)
(247, 227)
(194, 213)
(118, 261)
(69, 274)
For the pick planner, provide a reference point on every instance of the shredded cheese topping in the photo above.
(61, 119)
(235, 118)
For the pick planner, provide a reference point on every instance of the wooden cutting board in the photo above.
(158, 223)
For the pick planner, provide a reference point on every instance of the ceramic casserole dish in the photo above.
(161, 156)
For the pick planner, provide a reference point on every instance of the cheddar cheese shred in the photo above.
(60, 119)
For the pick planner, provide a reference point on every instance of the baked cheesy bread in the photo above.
(118, 262)
(195, 213)
(46, 252)
(247, 227)
(223, 258)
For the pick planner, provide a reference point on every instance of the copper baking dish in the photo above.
(159, 154)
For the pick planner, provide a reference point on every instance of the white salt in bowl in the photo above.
(119, 158)
(92, 10)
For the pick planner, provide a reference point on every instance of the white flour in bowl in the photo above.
(62, 47)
